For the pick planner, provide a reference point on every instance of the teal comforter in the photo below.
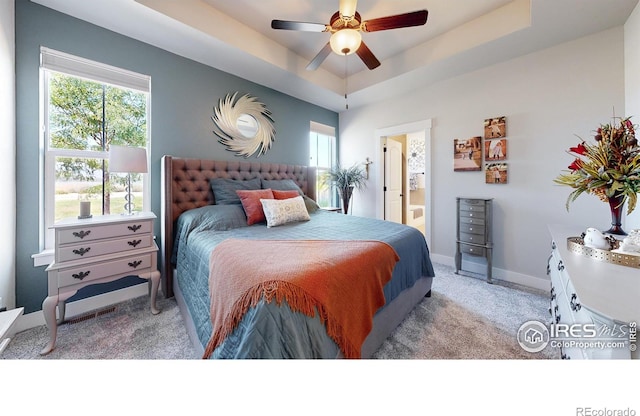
(269, 330)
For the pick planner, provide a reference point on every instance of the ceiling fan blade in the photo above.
(303, 26)
(367, 56)
(348, 7)
(418, 18)
(319, 58)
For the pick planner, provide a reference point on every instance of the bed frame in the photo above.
(185, 185)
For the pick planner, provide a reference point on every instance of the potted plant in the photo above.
(346, 180)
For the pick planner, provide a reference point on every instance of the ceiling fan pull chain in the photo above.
(346, 83)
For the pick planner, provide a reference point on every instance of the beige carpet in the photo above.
(465, 318)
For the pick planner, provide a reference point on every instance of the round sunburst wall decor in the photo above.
(244, 126)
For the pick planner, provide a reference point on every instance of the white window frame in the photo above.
(330, 131)
(55, 61)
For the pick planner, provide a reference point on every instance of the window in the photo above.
(88, 106)
(322, 156)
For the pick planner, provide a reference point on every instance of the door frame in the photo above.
(423, 126)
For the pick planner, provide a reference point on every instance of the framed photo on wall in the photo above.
(496, 173)
(495, 127)
(467, 154)
(495, 149)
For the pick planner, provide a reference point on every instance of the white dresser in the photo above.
(588, 291)
(7, 323)
(98, 250)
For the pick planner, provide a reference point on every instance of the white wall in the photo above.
(632, 80)
(7, 153)
(547, 97)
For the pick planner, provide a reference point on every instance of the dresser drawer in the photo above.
(99, 248)
(94, 271)
(472, 229)
(472, 238)
(90, 233)
(465, 219)
(473, 250)
(472, 207)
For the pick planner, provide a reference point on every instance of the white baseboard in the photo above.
(497, 274)
(85, 305)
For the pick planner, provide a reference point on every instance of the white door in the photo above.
(393, 181)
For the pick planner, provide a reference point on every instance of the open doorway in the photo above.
(414, 175)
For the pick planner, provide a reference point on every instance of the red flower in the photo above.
(579, 149)
(576, 165)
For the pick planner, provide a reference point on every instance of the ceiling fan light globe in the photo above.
(345, 41)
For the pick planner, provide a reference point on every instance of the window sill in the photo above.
(44, 258)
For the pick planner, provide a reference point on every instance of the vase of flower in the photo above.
(616, 204)
(608, 169)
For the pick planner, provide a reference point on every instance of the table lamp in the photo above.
(128, 160)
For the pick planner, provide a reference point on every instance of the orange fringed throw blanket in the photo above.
(341, 280)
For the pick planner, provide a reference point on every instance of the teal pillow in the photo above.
(224, 189)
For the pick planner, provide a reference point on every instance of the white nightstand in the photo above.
(98, 250)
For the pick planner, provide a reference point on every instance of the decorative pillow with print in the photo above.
(284, 211)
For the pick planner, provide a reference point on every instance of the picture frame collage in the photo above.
(492, 148)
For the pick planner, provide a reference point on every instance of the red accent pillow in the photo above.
(285, 194)
(250, 200)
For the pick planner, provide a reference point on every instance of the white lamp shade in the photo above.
(345, 41)
(127, 159)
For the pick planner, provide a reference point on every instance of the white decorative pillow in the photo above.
(283, 211)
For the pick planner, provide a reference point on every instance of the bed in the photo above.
(196, 226)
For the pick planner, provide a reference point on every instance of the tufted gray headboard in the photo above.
(185, 185)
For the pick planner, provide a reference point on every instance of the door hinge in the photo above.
(384, 189)
(384, 150)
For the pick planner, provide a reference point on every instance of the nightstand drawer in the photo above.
(99, 248)
(472, 238)
(93, 232)
(93, 271)
(473, 250)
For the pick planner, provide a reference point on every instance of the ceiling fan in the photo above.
(345, 26)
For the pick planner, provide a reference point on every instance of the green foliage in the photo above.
(609, 168)
(344, 178)
(86, 115)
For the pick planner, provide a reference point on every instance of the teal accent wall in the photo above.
(183, 95)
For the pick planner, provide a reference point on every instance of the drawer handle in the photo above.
(81, 234)
(81, 275)
(134, 242)
(575, 305)
(134, 227)
(560, 265)
(81, 251)
(135, 263)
